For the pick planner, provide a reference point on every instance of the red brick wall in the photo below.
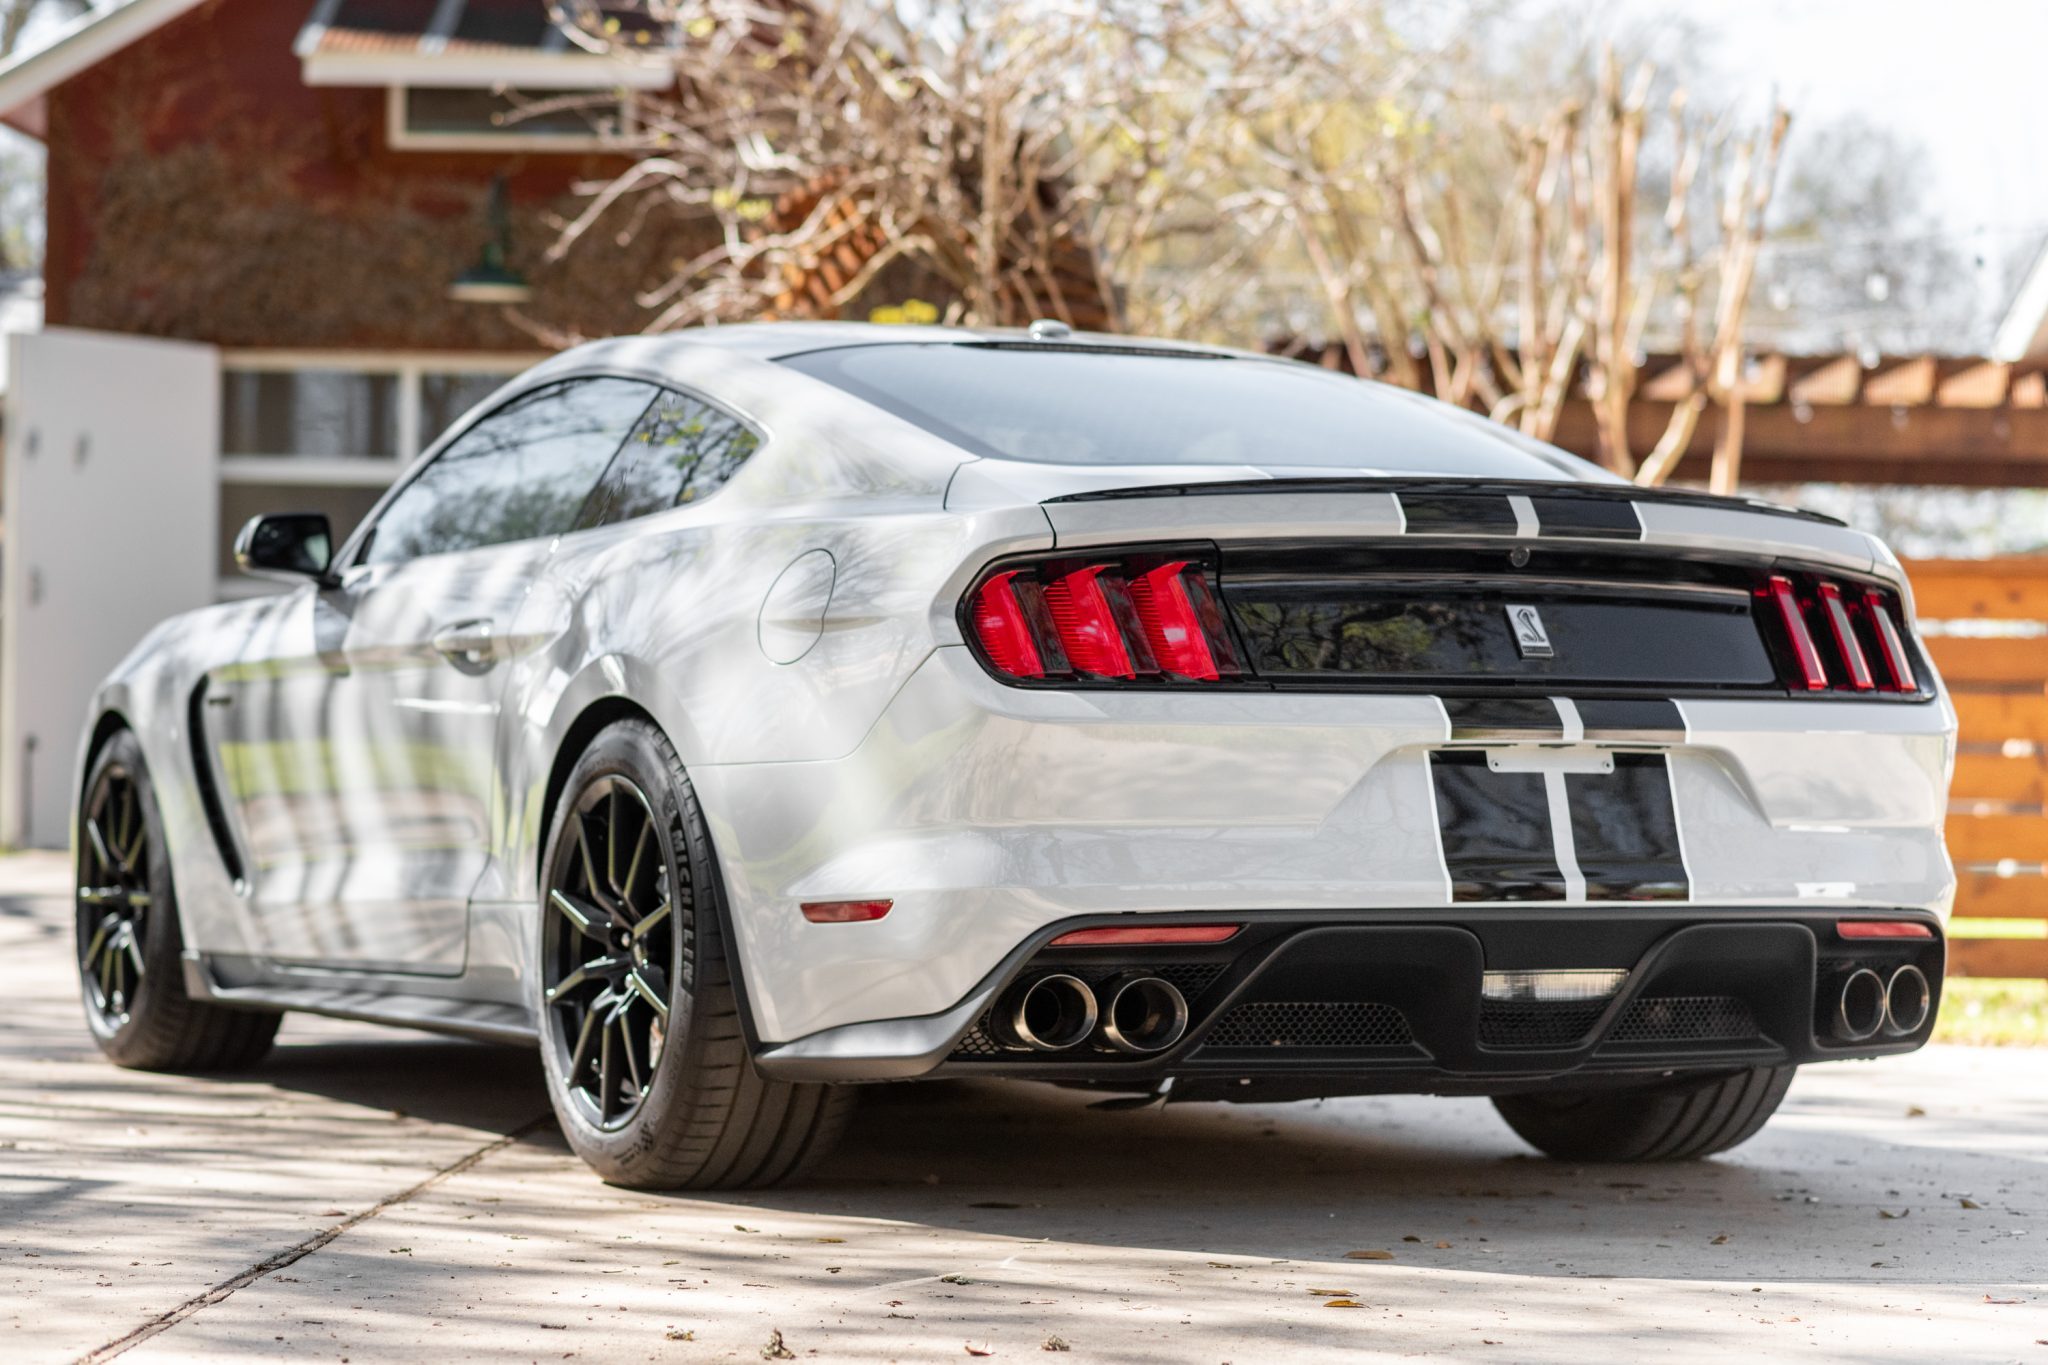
(198, 189)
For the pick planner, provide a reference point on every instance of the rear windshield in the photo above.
(1091, 406)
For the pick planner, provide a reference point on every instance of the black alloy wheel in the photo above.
(638, 1002)
(131, 943)
(114, 898)
(610, 951)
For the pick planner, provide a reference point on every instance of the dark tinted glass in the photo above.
(524, 471)
(330, 413)
(1093, 406)
(682, 450)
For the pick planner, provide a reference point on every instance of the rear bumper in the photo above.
(987, 814)
(1301, 1004)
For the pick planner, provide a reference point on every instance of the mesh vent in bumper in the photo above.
(1310, 1024)
(1685, 1019)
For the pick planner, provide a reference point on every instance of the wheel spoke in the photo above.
(594, 970)
(631, 1053)
(586, 1038)
(654, 917)
(639, 986)
(104, 895)
(107, 961)
(100, 850)
(131, 840)
(99, 941)
(134, 952)
(586, 923)
(611, 842)
(608, 1071)
(633, 867)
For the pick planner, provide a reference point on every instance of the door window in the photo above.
(682, 449)
(524, 471)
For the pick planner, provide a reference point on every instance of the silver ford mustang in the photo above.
(746, 713)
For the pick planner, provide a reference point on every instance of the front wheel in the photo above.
(130, 944)
(640, 1028)
(1680, 1121)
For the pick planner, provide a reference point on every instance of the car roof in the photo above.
(777, 340)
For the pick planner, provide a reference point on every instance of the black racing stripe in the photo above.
(1625, 831)
(1458, 514)
(1496, 831)
(1587, 519)
(1490, 715)
(1635, 715)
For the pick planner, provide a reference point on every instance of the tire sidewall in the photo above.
(632, 751)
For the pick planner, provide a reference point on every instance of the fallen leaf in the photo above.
(1970, 1203)
(1368, 1255)
(1887, 1213)
(1443, 1246)
(954, 1279)
(829, 1241)
(1411, 1239)
(1914, 1111)
(1054, 1344)
(1989, 1299)
(775, 1350)
(980, 1349)
(742, 1227)
(673, 1335)
(1720, 1241)
(1224, 1265)
(1332, 1293)
(554, 1327)
(1343, 1303)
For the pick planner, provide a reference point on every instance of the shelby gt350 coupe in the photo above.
(747, 713)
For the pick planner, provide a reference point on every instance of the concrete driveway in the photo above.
(370, 1195)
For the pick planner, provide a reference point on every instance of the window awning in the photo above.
(463, 43)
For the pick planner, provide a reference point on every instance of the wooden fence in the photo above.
(1998, 675)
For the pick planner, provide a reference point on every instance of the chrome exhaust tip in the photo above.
(1145, 1014)
(1052, 1014)
(1859, 1006)
(1908, 999)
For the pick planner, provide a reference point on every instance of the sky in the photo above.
(1962, 77)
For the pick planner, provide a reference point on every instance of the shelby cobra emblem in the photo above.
(1530, 637)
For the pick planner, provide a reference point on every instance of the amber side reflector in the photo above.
(845, 912)
(1882, 928)
(1154, 935)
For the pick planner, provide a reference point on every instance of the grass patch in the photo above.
(1962, 927)
(1986, 1012)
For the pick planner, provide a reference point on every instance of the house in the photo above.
(300, 185)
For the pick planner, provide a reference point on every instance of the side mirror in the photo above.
(290, 546)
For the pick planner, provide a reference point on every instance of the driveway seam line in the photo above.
(207, 1298)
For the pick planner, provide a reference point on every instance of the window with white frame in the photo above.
(343, 418)
(455, 118)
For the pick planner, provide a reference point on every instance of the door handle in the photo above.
(470, 643)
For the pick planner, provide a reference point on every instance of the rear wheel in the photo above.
(1680, 1121)
(129, 942)
(640, 1028)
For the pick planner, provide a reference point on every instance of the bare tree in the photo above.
(1016, 157)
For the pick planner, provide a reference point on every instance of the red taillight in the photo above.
(1153, 936)
(1891, 650)
(1844, 632)
(1172, 625)
(999, 623)
(1811, 672)
(1087, 626)
(845, 912)
(1145, 617)
(1836, 637)
(1882, 928)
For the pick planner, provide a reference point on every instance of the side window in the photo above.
(524, 471)
(683, 449)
